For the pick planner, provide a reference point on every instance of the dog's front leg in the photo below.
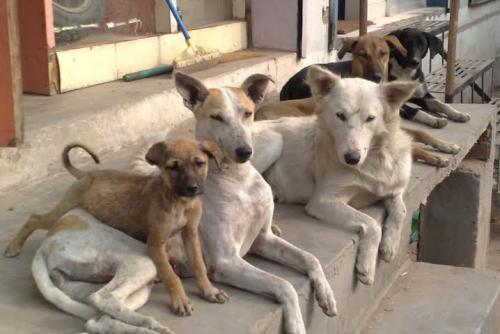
(332, 210)
(192, 241)
(233, 270)
(432, 104)
(272, 247)
(391, 235)
(180, 304)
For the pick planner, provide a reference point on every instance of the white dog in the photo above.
(238, 203)
(96, 273)
(348, 156)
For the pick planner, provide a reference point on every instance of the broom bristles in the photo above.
(196, 58)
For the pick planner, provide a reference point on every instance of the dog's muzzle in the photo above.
(243, 153)
(352, 158)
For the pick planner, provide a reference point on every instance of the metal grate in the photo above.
(431, 26)
(466, 72)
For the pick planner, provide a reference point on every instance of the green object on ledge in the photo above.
(148, 73)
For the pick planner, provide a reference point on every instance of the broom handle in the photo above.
(180, 23)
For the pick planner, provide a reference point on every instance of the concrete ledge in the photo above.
(439, 299)
(246, 312)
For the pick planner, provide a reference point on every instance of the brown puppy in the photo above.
(148, 208)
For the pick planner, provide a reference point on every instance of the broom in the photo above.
(193, 58)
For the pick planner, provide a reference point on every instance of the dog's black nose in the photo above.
(377, 76)
(352, 158)
(192, 189)
(243, 153)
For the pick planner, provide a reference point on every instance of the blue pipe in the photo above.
(180, 23)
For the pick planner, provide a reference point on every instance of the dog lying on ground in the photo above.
(365, 50)
(148, 208)
(404, 63)
(350, 155)
(238, 203)
(370, 60)
(408, 66)
(96, 273)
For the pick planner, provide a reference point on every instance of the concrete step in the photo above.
(429, 298)
(119, 114)
(245, 312)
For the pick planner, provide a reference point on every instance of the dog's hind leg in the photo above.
(427, 139)
(107, 325)
(272, 247)
(128, 281)
(420, 154)
(391, 234)
(45, 221)
(419, 116)
(326, 207)
(237, 272)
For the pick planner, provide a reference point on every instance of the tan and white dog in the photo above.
(350, 155)
(238, 203)
(96, 273)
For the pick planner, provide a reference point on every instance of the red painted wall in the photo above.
(7, 113)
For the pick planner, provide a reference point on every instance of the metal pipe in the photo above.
(452, 48)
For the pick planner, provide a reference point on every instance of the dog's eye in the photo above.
(341, 116)
(174, 166)
(218, 118)
(370, 118)
(199, 163)
(363, 54)
(248, 114)
(384, 53)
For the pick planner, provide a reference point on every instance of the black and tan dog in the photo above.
(408, 47)
(408, 66)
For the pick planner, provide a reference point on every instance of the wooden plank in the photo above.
(37, 40)
(10, 84)
(363, 17)
(452, 50)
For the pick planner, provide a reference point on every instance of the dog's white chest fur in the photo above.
(239, 201)
(401, 73)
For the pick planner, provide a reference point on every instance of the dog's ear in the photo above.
(395, 44)
(157, 154)
(321, 81)
(213, 151)
(192, 90)
(255, 86)
(398, 92)
(435, 45)
(348, 44)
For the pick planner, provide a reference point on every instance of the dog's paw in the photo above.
(215, 295)
(440, 162)
(12, 251)
(461, 117)
(365, 274)
(439, 123)
(155, 325)
(388, 249)
(450, 149)
(325, 297)
(294, 326)
(181, 306)
(276, 230)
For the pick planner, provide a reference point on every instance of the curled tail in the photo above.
(55, 295)
(67, 163)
